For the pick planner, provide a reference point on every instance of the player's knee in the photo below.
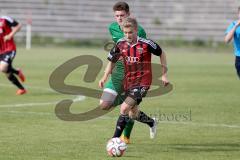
(132, 115)
(124, 109)
(104, 105)
(3, 68)
(107, 100)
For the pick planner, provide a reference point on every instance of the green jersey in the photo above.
(118, 73)
(117, 33)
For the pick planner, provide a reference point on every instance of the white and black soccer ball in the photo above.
(116, 147)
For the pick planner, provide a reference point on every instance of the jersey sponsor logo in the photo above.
(132, 59)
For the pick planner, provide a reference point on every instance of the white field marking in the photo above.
(188, 123)
(31, 87)
(76, 99)
(27, 112)
(81, 98)
(26, 104)
(202, 124)
(232, 126)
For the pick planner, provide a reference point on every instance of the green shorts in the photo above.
(117, 87)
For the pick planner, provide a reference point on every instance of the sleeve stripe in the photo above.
(149, 42)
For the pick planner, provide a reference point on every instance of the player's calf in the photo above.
(125, 108)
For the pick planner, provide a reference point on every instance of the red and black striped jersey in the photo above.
(6, 24)
(137, 60)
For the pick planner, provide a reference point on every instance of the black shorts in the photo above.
(8, 57)
(237, 65)
(137, 93)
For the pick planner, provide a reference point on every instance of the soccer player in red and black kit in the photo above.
(136, 53)
(8, 28)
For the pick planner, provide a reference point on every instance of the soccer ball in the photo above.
(116, 147)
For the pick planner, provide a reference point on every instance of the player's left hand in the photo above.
(7, 37)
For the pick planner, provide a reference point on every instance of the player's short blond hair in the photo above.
(130, 22)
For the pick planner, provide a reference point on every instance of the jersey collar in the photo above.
(132, 45)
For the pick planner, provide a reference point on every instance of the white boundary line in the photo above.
(188, 123)
(32, 87)
(28, 112)
(26, 104)
(77, 99)
(232, 126)
(201, 124)
(81, 98)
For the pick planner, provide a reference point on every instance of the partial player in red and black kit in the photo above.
(8, 28)
(136, 54)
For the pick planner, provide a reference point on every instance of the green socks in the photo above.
(128, 128)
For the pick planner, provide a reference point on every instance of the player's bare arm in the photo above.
(163, 61)
(14, 31)
(107, 72)
(230, 34)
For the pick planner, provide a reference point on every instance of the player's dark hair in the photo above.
(239, 9)
(121, 6)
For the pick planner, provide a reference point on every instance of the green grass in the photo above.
(204, 81)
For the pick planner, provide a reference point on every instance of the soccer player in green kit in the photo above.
(114, 88)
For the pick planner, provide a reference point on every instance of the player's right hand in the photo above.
(7, 37)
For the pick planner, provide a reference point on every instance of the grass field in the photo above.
(198, 120)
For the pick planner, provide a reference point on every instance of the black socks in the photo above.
(121, 123)
(142, 117)
(15, 81)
